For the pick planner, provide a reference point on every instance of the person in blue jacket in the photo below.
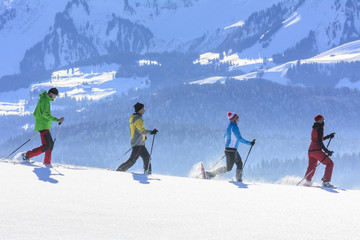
(232, 139)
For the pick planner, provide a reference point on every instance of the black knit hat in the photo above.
(138, 106)
(53, 91)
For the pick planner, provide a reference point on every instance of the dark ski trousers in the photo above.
(47, 146)
(137, 151)
(233, 157)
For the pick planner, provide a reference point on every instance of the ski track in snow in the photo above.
(70, 202)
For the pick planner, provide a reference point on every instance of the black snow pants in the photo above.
(137, 151)
(233, 157)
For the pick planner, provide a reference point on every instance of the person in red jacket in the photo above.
(318, 152)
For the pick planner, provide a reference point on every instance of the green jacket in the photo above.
(42, 113)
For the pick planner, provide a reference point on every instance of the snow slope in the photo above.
(204, 16)
(326, 18)
(349, 52)
(69, 202)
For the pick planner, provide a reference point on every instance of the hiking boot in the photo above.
(328, 185)
(209, 175)
(239, 175)
(24, 157)
(307, 183)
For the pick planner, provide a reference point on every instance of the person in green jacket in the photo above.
(43, 120)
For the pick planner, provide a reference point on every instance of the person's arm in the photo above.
(238, 135)
(45, 112)
(331, 135)
(320, 133)
(139, 124)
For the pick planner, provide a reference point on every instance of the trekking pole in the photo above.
(57, 132)
(22, 145)
(316, 165)
(119, 159)
(217, 162)
(152, 145)
(247, 156)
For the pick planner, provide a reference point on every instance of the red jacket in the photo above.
(317, 137)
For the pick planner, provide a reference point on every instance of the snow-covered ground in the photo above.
(70, 202)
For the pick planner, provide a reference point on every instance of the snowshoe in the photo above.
(203, 172)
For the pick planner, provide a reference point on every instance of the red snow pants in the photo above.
(47, 146)
(314, 157)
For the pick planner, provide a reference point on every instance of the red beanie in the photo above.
(319, 118)
(232, 116)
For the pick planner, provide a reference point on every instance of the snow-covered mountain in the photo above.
(67, 32)
(82, 30)
(70, 202)
(86, 32)
(324, 24)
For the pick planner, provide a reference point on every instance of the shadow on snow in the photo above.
(239, 184)
(143, 178)
(44, 174)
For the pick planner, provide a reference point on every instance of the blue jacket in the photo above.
(233, 136)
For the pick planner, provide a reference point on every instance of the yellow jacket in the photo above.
(137, 130)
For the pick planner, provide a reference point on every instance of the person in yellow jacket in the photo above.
(43, 120)
(138, 136)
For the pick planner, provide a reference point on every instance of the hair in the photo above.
(53, 91)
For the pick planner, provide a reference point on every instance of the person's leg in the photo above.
(144, 154)
(230, 155)
(328, 169)
(239, 167)
(37, 151)
(131, 161)
(217, 171)
(49, 147)
(230, 158)
(313, 159)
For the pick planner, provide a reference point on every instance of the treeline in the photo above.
(304, 49)
(324, 75)
(6, 16)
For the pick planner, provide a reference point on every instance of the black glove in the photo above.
(331, 135)
(154, 131)
(253, 142)
(329, 153)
